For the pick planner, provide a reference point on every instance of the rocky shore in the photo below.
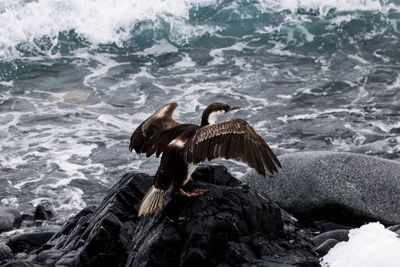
(234, 224)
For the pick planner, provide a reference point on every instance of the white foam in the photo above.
(383, 58)
(315, 114)
(65, 200)
(122, 121)
(108, 21)
(369, 246)
(341, 19)
(160, 48)
(8, 83)
(10, 201)
(105, 63)
(185, 62)
(385, 126)
(131, 80)
(218, 53)
(359, 59)
(27, 181)
(98, 21)
(324, 6)
(279, 50)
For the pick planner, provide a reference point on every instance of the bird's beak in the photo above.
(233, 108)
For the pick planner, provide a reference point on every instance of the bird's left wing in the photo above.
(234, 139)
(145, 138)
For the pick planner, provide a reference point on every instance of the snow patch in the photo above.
(369, 246)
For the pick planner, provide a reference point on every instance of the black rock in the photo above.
(42, 213)
(325, 226)
(325, 246)
(9, 218)
(20, 264)
(346, 188)
(395, 228)
(99, 236)
(339, 235)
(230, 225)
(29, 241)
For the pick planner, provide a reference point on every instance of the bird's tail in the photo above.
(152, 201)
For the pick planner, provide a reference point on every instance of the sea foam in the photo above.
(37, 25)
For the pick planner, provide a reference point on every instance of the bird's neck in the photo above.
(209, 118)
(204, 121)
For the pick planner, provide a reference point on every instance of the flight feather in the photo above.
(234, 139)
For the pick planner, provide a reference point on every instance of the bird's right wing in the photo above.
(234, 139)
(144, 138)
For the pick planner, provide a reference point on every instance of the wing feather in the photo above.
(145, 138)
(234, 139)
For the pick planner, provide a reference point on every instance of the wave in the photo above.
(53, 27)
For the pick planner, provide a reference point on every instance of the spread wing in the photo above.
(234, 139)
(144, 138)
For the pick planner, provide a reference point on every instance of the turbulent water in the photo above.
(77, 77)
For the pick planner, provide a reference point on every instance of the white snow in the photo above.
(369, 246)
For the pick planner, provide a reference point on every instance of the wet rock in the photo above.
(325, 226)
(325, 246)
(42, 213)
(5, 254)
(395, 228)
(9, 218)
(341, 187)
(50, 257)
(231, 225)
(29, 241)
(21, 256)
(99, 236)
(338, 235)
(19, 263)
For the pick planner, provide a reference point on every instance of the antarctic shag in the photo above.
(184, 146)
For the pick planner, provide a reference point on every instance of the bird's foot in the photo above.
(194, 193)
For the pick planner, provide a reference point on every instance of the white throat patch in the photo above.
(213, 117)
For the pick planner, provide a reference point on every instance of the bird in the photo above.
(184, 146)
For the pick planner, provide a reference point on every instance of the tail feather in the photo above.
(152, 201)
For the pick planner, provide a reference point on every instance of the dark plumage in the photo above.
(183, 146)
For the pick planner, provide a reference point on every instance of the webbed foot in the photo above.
(194, 193)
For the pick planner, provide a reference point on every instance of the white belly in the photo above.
(191, 169)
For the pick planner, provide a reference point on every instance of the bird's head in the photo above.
(213, 111)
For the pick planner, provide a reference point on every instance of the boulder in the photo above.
(26, 242)
(341, 187)
(9, 218)
(325, 241)
(339, 235)
(5, 254)
(42, 213)
(230, 225)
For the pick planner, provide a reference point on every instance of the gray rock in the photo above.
(9, 218)
(5, 253)
(343, 187)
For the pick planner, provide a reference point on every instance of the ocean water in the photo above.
(77, 77)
